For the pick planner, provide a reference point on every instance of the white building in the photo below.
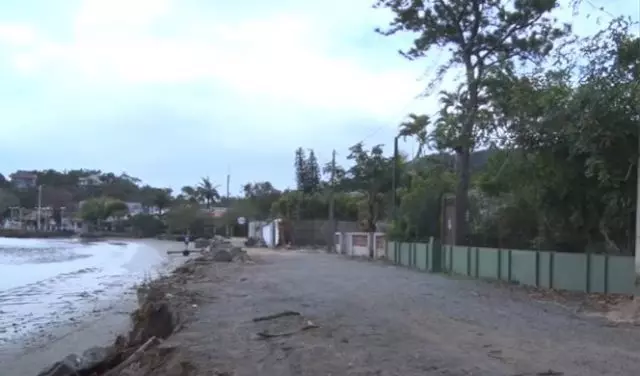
(90, 180)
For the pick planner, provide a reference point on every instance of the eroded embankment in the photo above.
(165, 306)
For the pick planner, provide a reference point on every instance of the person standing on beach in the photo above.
(186, 240)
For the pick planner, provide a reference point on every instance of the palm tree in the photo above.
(416, 126)
(208, 192)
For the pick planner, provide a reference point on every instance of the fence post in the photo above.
(426, 255)
(477, 262)
(499, 264)
(415, 254)
(537, 268)
(552, 257)
(606, 273)
(469, 261)
(587, 282)
(395, 252)
(509, 266)
(435, 263)
(386, 249)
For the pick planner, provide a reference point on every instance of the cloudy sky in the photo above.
(171, 91)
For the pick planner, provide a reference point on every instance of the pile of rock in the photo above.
(229, 254)
(202, 243)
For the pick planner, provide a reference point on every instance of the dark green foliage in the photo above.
(482, 35)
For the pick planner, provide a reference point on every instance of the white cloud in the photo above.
(111, 15)
(17, 34)
(284, 57)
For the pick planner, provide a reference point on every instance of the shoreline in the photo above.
(31, 354)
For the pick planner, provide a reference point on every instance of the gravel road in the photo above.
(377, 319)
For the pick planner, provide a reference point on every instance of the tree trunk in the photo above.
(462, 197)
(464, 152)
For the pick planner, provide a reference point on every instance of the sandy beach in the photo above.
(76, 332)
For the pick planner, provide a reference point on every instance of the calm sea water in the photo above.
(44, 283)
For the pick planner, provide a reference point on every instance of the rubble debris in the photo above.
(202, 243)
(222, 255)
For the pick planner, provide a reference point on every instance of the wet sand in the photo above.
(28, 356)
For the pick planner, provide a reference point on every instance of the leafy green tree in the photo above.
(371, 176)
(572, 147)
(7, 200)
(188, 217)
(57, 197)
(97, 210)
(145, 225)
(258, 198)
(162, 199)
(190, 194)
(482, 36)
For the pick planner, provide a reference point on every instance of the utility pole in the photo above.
(228, 203)
(394, 178)
(39, 207)
(637, 243)
(332, 204)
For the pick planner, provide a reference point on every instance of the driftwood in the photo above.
(277, 315)
(135, 356)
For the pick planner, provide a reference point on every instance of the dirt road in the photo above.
(376, 319)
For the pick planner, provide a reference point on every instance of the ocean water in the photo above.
(48, 283)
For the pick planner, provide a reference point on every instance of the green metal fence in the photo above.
(545, 269)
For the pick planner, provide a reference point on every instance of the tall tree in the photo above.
(313, 173)
(482, 35)
(300, 165)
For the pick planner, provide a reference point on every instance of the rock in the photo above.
(93, 356)
(222, 255)
(59, 369)
(236, 252)
(202, 243)
(73, 365)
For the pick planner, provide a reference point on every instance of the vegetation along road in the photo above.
(365, 318)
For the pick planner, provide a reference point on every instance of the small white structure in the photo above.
(361, 244)
(90, 180)
(271, 233)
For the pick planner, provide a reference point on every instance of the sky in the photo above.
(171, 91)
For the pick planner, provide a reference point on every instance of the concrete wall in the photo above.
(320, 232)
(544, 269)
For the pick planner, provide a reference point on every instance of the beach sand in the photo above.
(29, 356)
